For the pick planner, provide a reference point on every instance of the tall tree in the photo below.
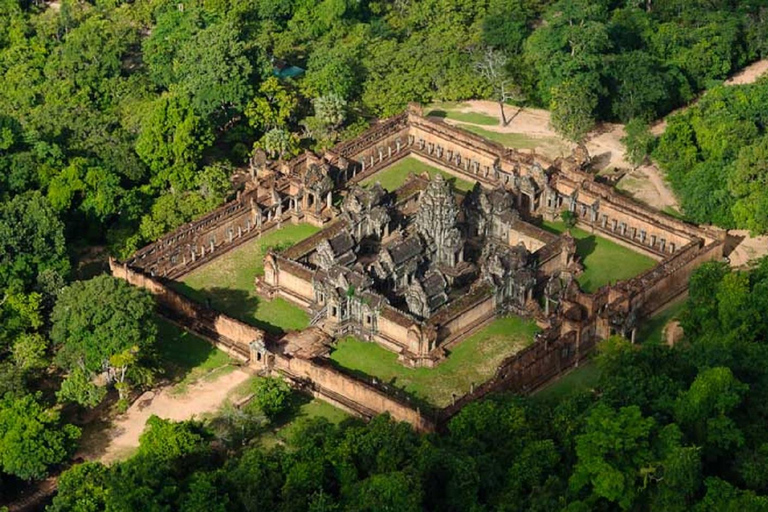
(31, 437)
(96, 321)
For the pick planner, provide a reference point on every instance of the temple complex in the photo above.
(419, 269)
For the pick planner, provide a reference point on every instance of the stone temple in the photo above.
(419, 269)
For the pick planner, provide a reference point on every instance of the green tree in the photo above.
(279, 144)
(703, 410)
(386, 492)
(173, 29)
(31, 241)
(612, 451)
(273, 106)
(573, 108)
(172, 140)
(747, 182)
(94, 321)
(29, 351)
(639, 141)
(569, 218)
(271, 395)
(31, 437)
(214, 72)
(83, 487)
(78, 387)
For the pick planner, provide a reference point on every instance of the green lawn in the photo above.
(186, 359)
(228, 283)
(549, 146)
(652, 329)
(394, 176)
(583, 378)
(473, 360)
(604, 261)
(465, 117)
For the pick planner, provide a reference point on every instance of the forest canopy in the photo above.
(122, 120)
(676, 428)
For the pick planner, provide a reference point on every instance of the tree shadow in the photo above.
(180, 351)
(237, 303)
(442, 114)
(586, 246)
(601, 161)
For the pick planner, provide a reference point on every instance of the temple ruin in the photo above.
(420, 268)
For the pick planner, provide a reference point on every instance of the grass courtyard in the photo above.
(394, 176)
(473, 360)
(227, 283)
(604, 261)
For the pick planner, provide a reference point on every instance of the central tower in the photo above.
(436, 222)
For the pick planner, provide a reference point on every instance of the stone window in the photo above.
(334, 312)
(613, 225)
(662, 244)
(671, 248)
(604, 220)
(653, 240)
(368, 320)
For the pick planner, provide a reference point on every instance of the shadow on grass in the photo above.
(442, 114)
(586, 246)
(239, 304)
(180, 352)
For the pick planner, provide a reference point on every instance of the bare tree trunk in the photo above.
(503, 115)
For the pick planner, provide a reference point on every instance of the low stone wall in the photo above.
(463, 316)
(326, 380)
(550, 356)
(234, 337)
(228, 334)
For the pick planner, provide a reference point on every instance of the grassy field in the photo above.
(186, 359)
(474, 360)
(652, 329)
(227, 283)
(604, 261)
(583, 378)
(394, 176)
(464, 117)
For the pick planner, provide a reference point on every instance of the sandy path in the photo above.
(748, 248)
(122, 436)
(748, 75)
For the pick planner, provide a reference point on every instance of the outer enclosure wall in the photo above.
(338, 386)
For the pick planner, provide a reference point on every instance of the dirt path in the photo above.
(748, 75)
(121, 438)
(748, 248)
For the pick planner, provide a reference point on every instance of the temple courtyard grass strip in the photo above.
(227, 283)
(473, 360)
(394, 176)
(605, 261)
(583, 378)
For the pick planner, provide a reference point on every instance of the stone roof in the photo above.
(405, 250)
(341, 243)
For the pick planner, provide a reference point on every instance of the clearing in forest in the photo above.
(472, 361)
(227, 283)
(201, 378)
